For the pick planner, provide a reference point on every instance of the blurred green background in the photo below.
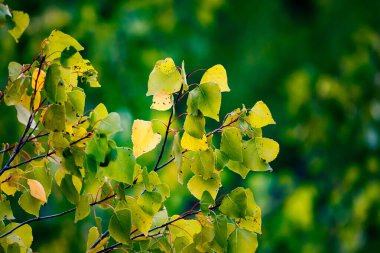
(315, 63)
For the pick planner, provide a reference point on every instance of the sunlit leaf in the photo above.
(197, 185)
(83, 207)
(143, 137)
(121, 166)
(195, 125)
(38, 79)
(260, 116)
(267, 148)
(14, 69)
(37, 190)
(242, 240)
(30, 204)
(54, 118)
(251, 158)
(164, 78)
(185, 228)
(54, 87)
(205, 98)
(216, 74)
(6, 210)
(110, 124)
(162, 101)
(252, 223)
(190, 143)
(238, 204)
(231, 143)
(140, 219)
(21, 21)
(57, 42)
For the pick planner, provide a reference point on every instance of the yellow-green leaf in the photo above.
(206, 98)
(216, 74)
(260, 116)
(83, 208)
(21, 21)
(164, 78)
(242, 240)
(197, 185)
(231, 143)
(143, 137)
(267, 148)
(190, 143)
(120, 225)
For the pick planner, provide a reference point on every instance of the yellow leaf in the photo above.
(194, 144)
(161, 101)
(252, 223)
(187, 228)
(143, 137)
(260, 116)
(216, 74)
(197, 185)
(41, 79)
(37, 190)
(268, 149)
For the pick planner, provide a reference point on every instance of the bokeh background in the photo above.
(316, 63)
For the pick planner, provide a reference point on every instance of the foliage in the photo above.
(62, 147)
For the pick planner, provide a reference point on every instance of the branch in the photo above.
(106, 233)
(167, 130)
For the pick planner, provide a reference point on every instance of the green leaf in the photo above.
(110, 124)
(251, 158)
(220, 240)
(164, 78)
(231, 143)
(97, 148)
(23, 232)
(197, 185)
(69, 190)
(203, 163)
(121, 168)
(77, 101)
(83, 208)
(120, 225)
(29, 204)
(54, 86)
(184, 79)
(238, 204)
(206, 202)
(238, 168)
(54, 118)
(99, 113)
(206, 98)
(14, 69)
(267, 148)
(195, 125)
(140, 219)
(6, 211)
(221, 159)
(14, 91)
(21, 21)
(177, 150)
(242, 240)
(150, 202)
(93, 236)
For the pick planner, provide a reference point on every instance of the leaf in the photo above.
(68, 188)
(77, 101)
(14, 69)
(54, 118)
(30, 204)
(23, 115)
(164, 78)
(220, 240)
(38, 79)
(216, 74)
(15, 90)
(221, 159)
(150, 202)
(268, 149)
(206, 202)
(185, 228)
(99, 113)
(4, 12)
(110, 124)
(238, 168)
(242, 240)
(205, 98)
(195, 125)
(54, 86)
(252, 223)
(121, 168)
(21, 21)
(197, 185)
(23, 232)
(93, 236)
(231, 143)
(184, 79)
(260, 116)
(177, 150)
(239, 203)
(37, 190)
(120, 225)
(6, 211)
(162, 101)
(140, 219)
(203, 163)
(83, 207)
(57, 42)
(251, 158)
(143, 137)
(190, 143)
(97, 148)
